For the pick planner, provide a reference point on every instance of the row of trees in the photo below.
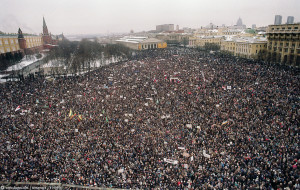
(8, 59)
(83, 55)
(209, 47)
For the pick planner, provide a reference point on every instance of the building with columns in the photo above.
(141, 43)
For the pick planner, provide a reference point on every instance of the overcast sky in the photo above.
(115, 16)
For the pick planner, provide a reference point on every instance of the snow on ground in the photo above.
(27, 60)
(53, 63)
(1, 76)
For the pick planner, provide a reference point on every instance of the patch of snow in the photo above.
(27, 60)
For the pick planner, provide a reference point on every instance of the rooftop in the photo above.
(138, 39)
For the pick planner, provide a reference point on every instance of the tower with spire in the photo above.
(45, 29)
(46, 36)
(239, 22)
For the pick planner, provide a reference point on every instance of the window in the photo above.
(0, 42)
(6, 41)
(256, 51)
(11, 41)
(285, 50)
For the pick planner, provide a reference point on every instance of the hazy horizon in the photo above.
(121, 16)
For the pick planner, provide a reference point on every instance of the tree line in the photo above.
(83, 55)
(8, 59)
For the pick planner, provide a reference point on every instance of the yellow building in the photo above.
(9, 44)
(192, 41)
(33, 41)
(142, 43)
(228, 45)
(246, 47)
(284, 44)
(174, 38)
(200, 42)
(251, 48)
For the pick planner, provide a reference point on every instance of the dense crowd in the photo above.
(172, 118)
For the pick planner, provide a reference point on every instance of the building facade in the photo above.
(27, 44)
(173, 38)
(165, 28)
(290, 20)
(142, 43)
(245, 47)
(284, 44)
(278, 19)
(251, 48)
(200, 42)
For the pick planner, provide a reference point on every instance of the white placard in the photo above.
(170, 161)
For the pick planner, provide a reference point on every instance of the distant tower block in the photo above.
(290, 20)
(239, 22)
(177, 27)
(278, 19)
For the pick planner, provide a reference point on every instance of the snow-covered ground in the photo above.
(98, 63)
(53, 63)
(27, 60)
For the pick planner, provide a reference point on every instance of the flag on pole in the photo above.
(18, 108)
(73, 116)
(71, 113)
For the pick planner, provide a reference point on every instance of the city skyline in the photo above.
(121, 16)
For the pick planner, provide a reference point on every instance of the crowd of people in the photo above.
(166, 119)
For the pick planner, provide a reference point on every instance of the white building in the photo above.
(141, 43)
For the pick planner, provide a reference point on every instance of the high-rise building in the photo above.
(278, 19)
(253, 26)
(177, 27)
(239, 25)
(290, 20)
(239, 22)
